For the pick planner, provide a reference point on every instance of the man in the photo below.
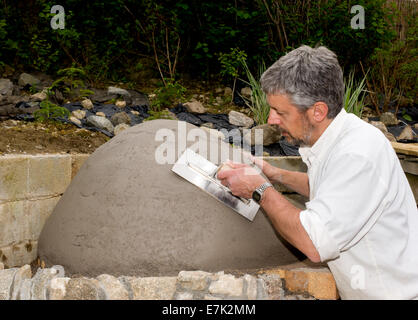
(361, 217)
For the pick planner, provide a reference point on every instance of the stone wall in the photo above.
(30, 187)
(294, 282)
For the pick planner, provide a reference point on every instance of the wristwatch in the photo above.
(258, 193)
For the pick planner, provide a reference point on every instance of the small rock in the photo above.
(27, 79)
(101, 114)
(380, 125)
(40, 283)
(193, 280)
(406, 134)
(219, 100)
(390, 136)
(269, 134)
(23, 273)
(83, 289)
(6, 283)
(388, 119)
(239, 119)
(195, 107)
(120, 104)
(75, 120)
(152, 288)
(120, 117)
(246, 92)
(100, 122)
(120, 127)
(184, 296)
(118, 91)
(209, 125)
(40, 96)
(79, 114)
(219, 90)
(227, 92)
(416, 126)
(6, 87)
(214, 132)
(87, 104)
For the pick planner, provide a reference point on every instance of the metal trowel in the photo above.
(202, 173)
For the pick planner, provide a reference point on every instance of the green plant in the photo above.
(163, 114)
(71, 79)
(354, 94)
(49, 111)
(258, 102)
(231, 63)
(167, 95)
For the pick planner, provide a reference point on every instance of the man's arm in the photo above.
(285, 219)
(297, 181)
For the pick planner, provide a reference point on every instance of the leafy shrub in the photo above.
(49, 111)
(167, 96)
(354, 94)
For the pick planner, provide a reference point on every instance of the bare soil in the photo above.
(34, 137)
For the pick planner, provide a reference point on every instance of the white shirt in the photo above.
(362, 217)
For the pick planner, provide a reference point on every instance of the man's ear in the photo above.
(319, 111)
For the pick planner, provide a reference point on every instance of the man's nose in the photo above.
(273, 119)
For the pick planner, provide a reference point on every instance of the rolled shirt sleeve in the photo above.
(349, 198)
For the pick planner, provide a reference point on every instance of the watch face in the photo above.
(256, 196)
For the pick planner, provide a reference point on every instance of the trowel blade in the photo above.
(200, 172)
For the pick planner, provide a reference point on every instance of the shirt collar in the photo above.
(325, 141)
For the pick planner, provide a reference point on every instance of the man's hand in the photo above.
(241, 179)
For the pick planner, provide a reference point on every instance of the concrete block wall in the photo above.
(30, 187)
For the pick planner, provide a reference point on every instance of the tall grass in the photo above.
(258, 101)
(354, 94)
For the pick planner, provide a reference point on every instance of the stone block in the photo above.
(1, 266)
(6, 283)
(77, 161)
(227, 285)
(184, 296)
(152, 288)
(14, 223)
(112, 287)
(193, 280)
(251, 284)
(49, 175)
(83, 289)
(13, 177)
(38, 212)
(19, 254)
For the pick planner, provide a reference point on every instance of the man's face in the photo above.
(293, 124)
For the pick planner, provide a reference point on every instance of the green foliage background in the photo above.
(110, 39)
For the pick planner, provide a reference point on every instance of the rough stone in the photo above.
(112, 287)
(87, 104)
(40, 96)
(120, 127)
(269, 133)
(227, 92)
(388, 119)
(390, 136)
(246, 92)
(214, 132)
(57, 288)
(120, 117)
(195, 107)
(101, 114)
(83, 289)
(6, 87)
(184, 296)
(239, 119)
(24, 273)
(79, 114)
(406, 134)
(6, 283)
(227, 285)
(200, 233)
(193, 280)
(27, 79)
(251, 287)
(118, 91)
(273, 286)
(40, 282)
(100, 122)
(153, 288)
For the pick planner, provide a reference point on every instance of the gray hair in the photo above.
(307, 76)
